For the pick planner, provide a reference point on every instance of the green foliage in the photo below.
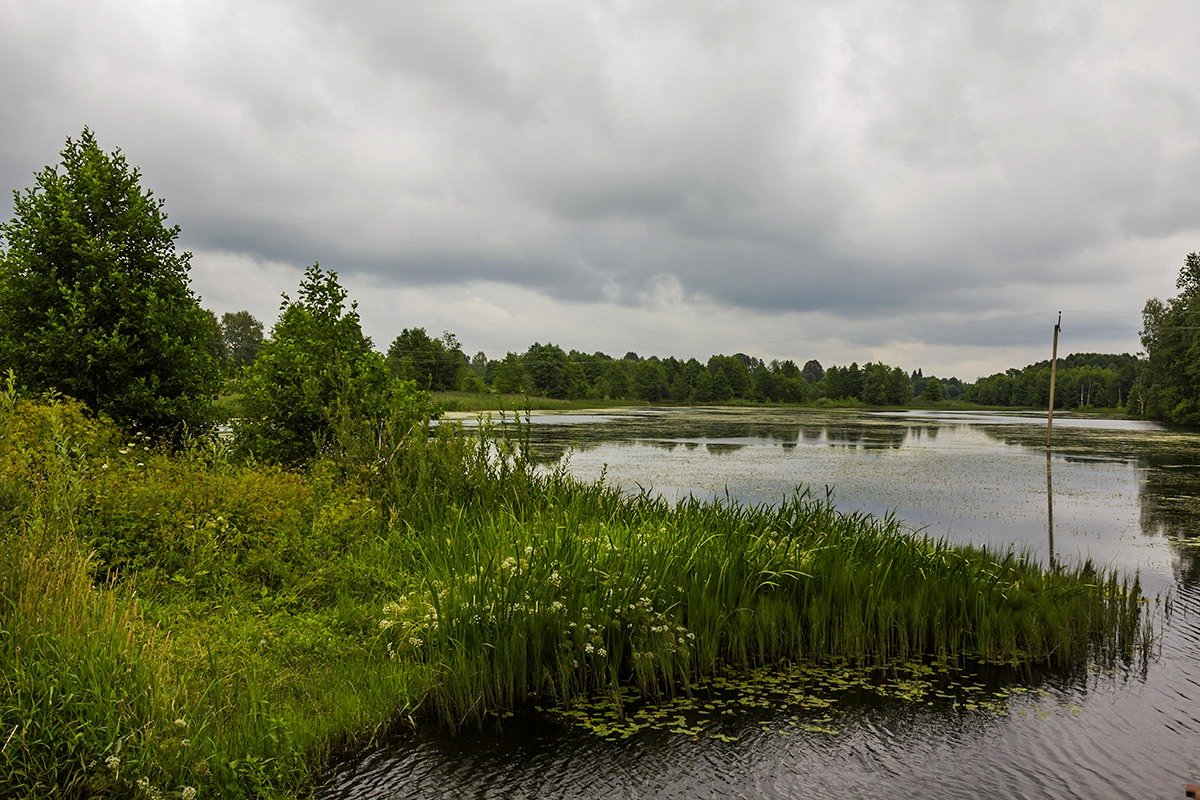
(432, 364)
(511, 376)
(546, 370)
(95, 300)
(592, 591)
(549, 370)
(77, 703)
(516, 403)
(880, 388)
(1083, 380)
(316, 375)
(933, 392)
(1169, 389)
(242, 338)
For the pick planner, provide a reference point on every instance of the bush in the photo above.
(318, 373)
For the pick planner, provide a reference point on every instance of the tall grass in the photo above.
(179, 622)
(590, 591)
(77, 679)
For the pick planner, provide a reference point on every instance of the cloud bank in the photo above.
(924, 183)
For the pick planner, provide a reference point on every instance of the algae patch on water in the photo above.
(813, 699)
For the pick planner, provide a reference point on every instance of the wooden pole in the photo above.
(1050, 505)
(1053, 370)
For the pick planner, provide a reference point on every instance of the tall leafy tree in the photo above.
(813, 371)
(316, 368)
(548, 370)
(933, 391)
(1170, 387)
(431, 363)
(510, 375)
(95, 299)
(242, 335)
(649, 380)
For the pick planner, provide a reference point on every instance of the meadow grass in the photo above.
(181, 624)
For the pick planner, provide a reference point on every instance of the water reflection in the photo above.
(964, 476)
(1050, 507)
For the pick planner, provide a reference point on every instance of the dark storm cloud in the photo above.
(866, 160)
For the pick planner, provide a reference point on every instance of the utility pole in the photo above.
(1050, 506)
(1053, 370)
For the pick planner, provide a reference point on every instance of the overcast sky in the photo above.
(922, 183)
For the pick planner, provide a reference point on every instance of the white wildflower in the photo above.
(188, 793)
(113, 762)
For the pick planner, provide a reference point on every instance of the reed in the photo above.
(593, 591)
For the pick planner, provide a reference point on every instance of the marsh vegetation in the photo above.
(184, 619)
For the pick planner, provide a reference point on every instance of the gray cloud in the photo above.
(831, 164)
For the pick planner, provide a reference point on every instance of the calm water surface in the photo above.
(1125, 494)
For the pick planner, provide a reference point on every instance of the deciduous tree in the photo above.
(316, 369)
(95, 299)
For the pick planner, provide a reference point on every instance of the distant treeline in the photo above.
(439, 364)
(548, 370)
(1083, 380)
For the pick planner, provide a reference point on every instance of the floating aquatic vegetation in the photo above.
(816, 699)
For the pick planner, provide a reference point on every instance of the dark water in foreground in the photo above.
(1123, 493)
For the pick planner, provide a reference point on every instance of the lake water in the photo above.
(1125, 494)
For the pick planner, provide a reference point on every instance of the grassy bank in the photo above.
(493, 401)
(490, 401)
(187, 624)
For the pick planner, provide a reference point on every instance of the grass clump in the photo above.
(593, 591)
(185, 623)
